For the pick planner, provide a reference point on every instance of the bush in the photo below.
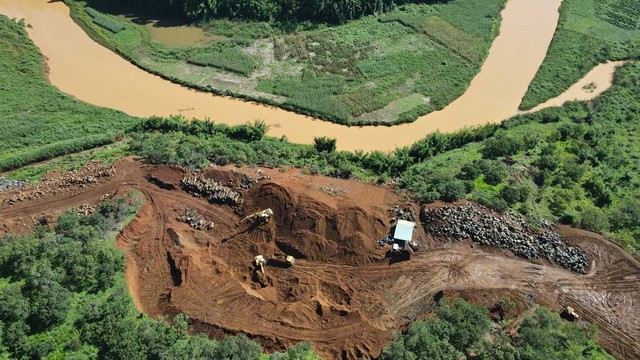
(324, 144)
(514, 194)
(501, 145)
(592, 219)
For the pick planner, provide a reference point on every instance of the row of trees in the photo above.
(327, 11)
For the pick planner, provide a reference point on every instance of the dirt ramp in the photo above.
(308, 228)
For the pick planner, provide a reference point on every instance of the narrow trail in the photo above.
(82, 68)
(346, 305)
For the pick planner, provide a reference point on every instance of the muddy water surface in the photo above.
(92, 73)
(597, 81)
(172, 34)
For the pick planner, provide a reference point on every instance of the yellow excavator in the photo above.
(261, 217)
(260, 262)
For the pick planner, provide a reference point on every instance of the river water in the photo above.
(82, 68)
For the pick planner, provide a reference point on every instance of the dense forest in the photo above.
(328, 11)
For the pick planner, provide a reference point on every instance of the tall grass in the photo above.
(105, 21)
(36, 120)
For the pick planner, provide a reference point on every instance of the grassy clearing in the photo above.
(432, 51)
(589, 32)
(36, 120)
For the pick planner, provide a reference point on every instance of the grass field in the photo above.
(385, 68)
(36, 120)
(589, 32)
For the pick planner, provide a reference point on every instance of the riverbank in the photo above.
(90, 72)
(590, 33)
(383, 69)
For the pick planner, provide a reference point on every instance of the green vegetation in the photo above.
(463, 331)
(37, 121)
(327, 11)
(63, 296)
(385, 68)
(105, 21)
(589, 32)
(223, 55)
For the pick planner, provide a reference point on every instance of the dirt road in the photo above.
(343, 295)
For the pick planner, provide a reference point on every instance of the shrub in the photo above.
(324, 144)
(592, 219)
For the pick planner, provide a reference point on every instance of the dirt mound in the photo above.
(342, 294)
(310, 229)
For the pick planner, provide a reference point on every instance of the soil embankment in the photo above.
(90, 72)
(343, 294)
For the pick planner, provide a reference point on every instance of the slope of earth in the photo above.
(343, 294)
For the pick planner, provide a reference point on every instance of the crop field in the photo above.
(589, 32)
(36, 120)
(384, 68)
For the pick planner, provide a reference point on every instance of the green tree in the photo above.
(324, 144)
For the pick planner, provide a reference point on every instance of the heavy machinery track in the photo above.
(343, 295)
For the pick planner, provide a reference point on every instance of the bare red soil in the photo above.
(343, 295)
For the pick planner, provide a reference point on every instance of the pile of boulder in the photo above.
(212, 190)
(85, 209)
(406, 213)
(248, 182)
(480, 225)
(194, 219)
(54, 183)
(8, 185)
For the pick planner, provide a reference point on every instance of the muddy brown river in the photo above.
(91, 73)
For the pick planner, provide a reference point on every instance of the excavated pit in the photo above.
(343, 294)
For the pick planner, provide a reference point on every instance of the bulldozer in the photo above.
(259, 217)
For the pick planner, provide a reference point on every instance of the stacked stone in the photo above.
(8, 185)
(212, 190)
(505, 231)
(194, 219)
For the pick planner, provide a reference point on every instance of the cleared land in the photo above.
(331, 226)
(589, 32)
(386, 68)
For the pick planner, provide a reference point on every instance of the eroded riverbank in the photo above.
(92, 73)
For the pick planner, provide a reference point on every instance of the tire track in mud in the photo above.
(345, 310)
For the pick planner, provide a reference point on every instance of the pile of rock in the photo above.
(194, 219)
(403, 213)
(248, 182)
(87, 175)
(212, 190)
(85, 209)
(8, 185)
(55, 183)
(484, 227)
